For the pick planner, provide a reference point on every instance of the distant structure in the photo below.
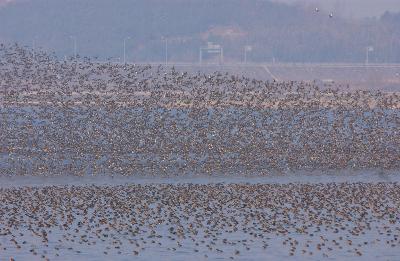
(247, 48)
(368, 49)
(212, 48)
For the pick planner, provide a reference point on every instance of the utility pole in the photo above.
(34, 47)
(74, 39)
(391, 48)
(247, 48)
(368, 49)
(221, 56)
(166, 50)
(126, 38)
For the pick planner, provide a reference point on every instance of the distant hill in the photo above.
(274, 30)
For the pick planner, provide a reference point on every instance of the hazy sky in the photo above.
(2, 2)
(347, 8)
(353, 8)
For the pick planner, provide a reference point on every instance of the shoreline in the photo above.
(299, 177)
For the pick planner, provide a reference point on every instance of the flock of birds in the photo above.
(84, 118)
(81, 117)
(205, 222)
